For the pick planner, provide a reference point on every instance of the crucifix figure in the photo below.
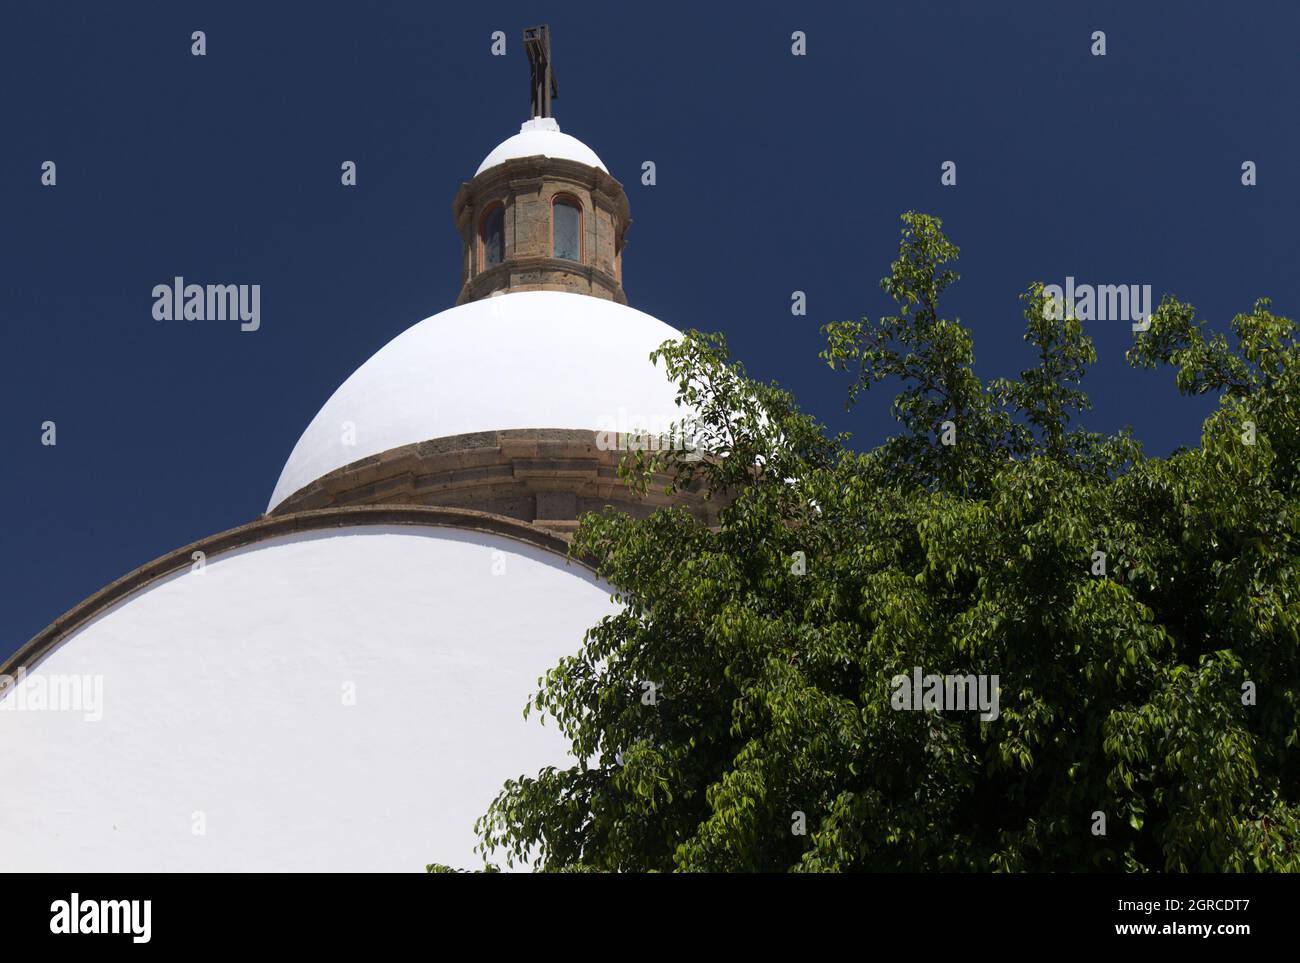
(537, 41)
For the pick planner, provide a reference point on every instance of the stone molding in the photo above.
(542, 274)
(542, 476)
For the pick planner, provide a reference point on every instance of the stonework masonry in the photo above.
(543, 476)
(528, 187)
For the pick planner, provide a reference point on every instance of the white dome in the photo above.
(341, 700)
(531, 359)
(541, 136)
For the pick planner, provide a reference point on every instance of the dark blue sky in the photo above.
(775, 173)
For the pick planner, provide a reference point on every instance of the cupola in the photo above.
(542, 213)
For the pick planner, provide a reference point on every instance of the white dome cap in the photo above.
(531, 359)
(541, 135)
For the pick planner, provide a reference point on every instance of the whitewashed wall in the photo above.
(223, 695)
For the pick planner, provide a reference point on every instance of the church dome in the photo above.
(541, 135)
(336, 686)
(528, 359)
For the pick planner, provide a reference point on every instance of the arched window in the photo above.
(566, 228)
(492, 237)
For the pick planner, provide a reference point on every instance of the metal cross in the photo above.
(537, 41)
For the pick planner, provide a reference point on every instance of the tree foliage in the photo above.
(743, 692)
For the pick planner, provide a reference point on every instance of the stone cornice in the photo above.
(527, 170)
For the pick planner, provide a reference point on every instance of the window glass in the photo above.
(494, 244)
(567, 221)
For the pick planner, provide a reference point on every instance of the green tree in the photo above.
(1157, 685)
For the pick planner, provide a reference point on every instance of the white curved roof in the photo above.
(531, 359)
(541, 135)
(340, 700)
